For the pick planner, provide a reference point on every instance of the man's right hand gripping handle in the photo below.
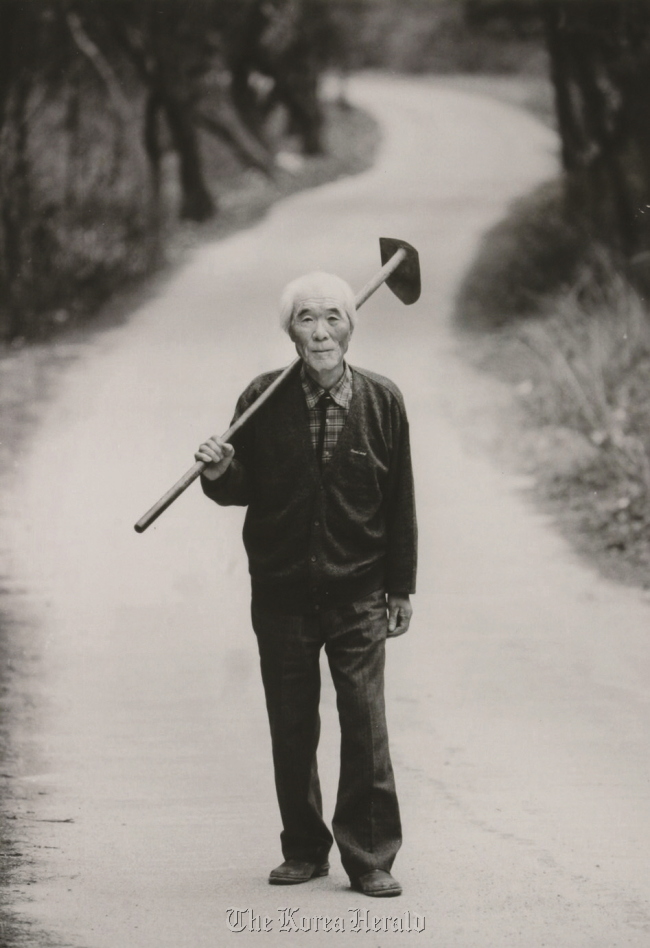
(216, 455)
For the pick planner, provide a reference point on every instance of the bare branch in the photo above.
(91, 51)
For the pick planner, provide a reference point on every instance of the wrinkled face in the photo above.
(321, 330)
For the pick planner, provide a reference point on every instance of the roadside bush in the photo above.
(440, 37)
(106, 108)
(585, 373)
(564, 321)
(522, 261)
(594, 356)
(87, 225)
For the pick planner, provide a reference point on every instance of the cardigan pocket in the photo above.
(357, 467)
(363, 468)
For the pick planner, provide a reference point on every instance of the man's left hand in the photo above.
(400, 611)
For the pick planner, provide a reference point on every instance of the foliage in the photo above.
(576, 350)
(589, 374)
(596, 339)
(438, 36)
(101, 99)
(600, 66)
(523, 260)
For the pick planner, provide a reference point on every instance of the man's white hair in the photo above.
(316, 286)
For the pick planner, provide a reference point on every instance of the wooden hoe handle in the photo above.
(191, 475)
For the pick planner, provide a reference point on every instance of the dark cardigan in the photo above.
(313, 538)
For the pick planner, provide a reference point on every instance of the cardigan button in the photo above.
(317, 523)
(313, 559)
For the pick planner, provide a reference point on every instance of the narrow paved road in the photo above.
(518, 702)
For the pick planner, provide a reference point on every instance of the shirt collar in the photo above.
(341, 393)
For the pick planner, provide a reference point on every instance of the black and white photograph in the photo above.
(325, 473)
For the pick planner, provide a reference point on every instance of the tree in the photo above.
(170, 49)
(600, 67)
(22, 29)
(93, 93)
(286, 42)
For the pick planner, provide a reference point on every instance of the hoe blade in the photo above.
(405, 280)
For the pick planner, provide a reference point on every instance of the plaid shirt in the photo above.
(341, 395)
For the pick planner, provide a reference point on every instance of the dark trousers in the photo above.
(366, 822)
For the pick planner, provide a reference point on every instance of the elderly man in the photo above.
(325, 471)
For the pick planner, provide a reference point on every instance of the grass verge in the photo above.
(554, 317)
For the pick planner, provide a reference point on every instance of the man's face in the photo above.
(321, 330)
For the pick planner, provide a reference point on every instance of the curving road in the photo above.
(518, 702)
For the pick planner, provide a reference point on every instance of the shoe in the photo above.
(378, 883)
(294, 871)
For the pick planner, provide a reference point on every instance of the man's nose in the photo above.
(321, 330)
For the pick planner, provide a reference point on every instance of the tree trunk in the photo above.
(197, 203)
(9, 14)
(16, 205)
(603, 168)
(169, 85)
(560, 70)
(152, 140)
(299, 93)
(599, 55)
